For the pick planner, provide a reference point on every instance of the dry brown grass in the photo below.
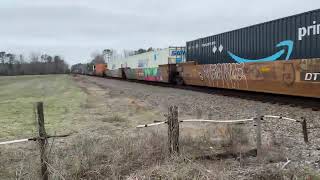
(140, 155)
(143, 156)
(235, 139)
(90, 157)
(292, 173)
(178, 167)
(113, 158)
(115, 119)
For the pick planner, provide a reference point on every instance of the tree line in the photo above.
(12, 64)
(106, 55)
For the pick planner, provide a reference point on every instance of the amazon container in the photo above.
(294, 37)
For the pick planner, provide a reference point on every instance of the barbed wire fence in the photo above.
(41, 139)
(173, 122)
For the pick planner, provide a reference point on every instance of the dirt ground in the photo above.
(107, 144)
(282, 140)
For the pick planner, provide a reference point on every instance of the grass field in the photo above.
(62, 102)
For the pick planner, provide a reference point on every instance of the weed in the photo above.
(114, 119)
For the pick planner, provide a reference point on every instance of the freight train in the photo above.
(280, 57)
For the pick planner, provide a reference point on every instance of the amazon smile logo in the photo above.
(276, 56)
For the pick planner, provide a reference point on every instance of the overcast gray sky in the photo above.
(76, 28)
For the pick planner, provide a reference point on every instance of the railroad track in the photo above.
(293, 101)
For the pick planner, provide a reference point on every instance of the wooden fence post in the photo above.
(42, 141)
(199, 113)
(210, 115)
(258, 136)
(305, 130)
(173, 130)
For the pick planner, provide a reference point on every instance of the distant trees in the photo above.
(141, 50)
(108, 56)
(149, 49)
(97, 58)
(107, 51)
(2, 57)
(11, 64)
(104, 57)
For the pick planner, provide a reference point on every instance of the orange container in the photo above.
(100, 69)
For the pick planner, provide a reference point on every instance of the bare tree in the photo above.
(149, 49)
(140, 51)
(107, 55)
(34, 58)
(2, 56)
(21, 59)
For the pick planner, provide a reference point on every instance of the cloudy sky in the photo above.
(77, 28)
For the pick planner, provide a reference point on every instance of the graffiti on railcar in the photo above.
(265, 69)
(310, 70)
(139, 74)
(289, 75)
(310, 65)
(283, 77)
(130, 73)
(261, 71)
(230, 75)
(152, 74)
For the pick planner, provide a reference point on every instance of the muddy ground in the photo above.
(107, 145)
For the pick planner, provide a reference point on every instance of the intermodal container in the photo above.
(151, 59)
(294, 37)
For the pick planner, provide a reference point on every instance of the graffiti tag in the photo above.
(230, 75)
(289, 74)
